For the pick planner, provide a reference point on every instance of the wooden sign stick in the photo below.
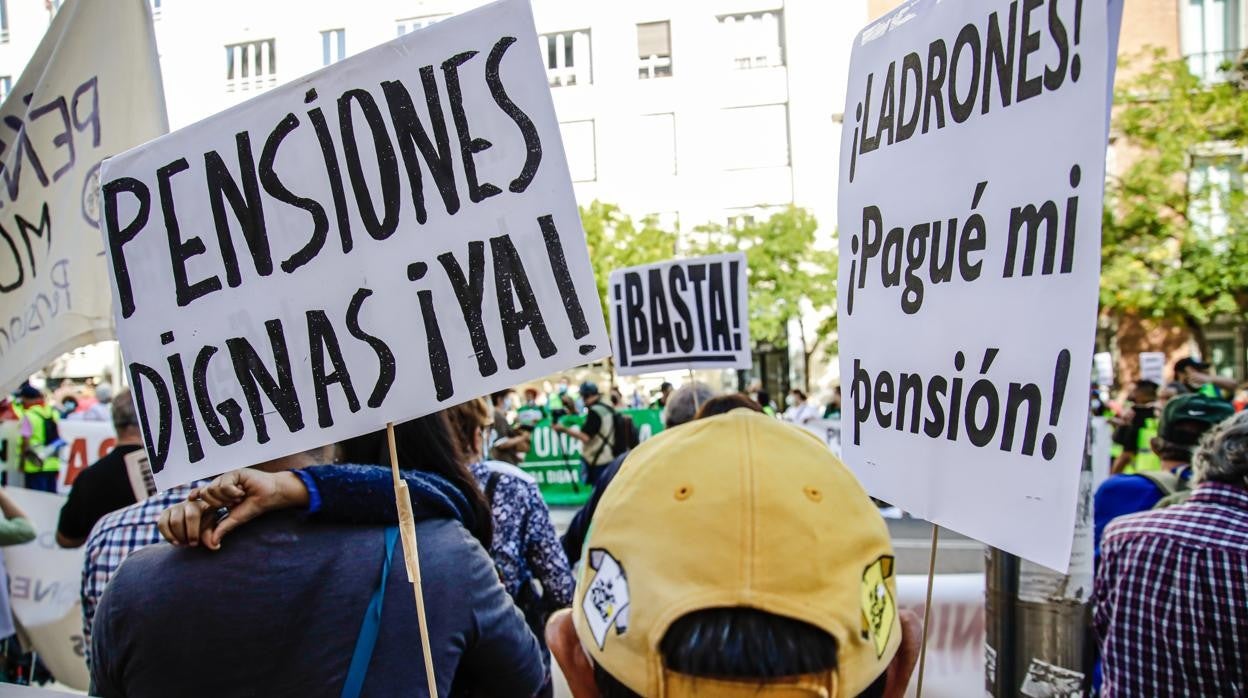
(927, 610)
(407, 530)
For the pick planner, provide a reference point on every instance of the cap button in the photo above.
(814, 494)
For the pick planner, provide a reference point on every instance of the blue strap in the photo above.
(371, 626)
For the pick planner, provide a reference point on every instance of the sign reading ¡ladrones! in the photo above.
(972, 172)
(685, 313)
(373, 242)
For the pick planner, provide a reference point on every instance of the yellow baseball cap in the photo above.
(738, 510)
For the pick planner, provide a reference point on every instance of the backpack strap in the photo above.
(491, 484)
(1169, 482)
(371, 627)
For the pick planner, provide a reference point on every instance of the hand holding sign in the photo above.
(376, 241)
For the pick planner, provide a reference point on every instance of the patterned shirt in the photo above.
(113, 539)
(525, 545)
(1171, 598)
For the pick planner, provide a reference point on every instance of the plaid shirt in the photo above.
(1171, 598)
(113, 539)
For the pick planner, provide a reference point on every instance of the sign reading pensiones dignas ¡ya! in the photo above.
(373, 242)
(971, 179)
(681, 314)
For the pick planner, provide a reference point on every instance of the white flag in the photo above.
(92, 89)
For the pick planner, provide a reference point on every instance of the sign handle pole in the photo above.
(927, 610)
(407, 529)
(692, 384)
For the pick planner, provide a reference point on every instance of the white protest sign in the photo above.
(1103, 367)
(1153, 366)
(86, 442)
(972, 169)
(373, 242)
(45, 582)
(681, 314)
(91, 89)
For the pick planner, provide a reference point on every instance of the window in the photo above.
(6, 86)
(755, 137)
(333, 46)
(1210, 35)
(411, 24)
(567, 57)
(155, 4)
(656, 143)
(4, 22)
(654, 50)
(1213, 181)
(578, 143)
(753, 40)
(251, 65)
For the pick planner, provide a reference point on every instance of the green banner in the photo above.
(554, 459)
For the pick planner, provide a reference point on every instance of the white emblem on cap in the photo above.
(606, 597)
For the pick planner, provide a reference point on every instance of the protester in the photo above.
(723, 404)
(280, 609)
(1184, 421)
(15, 529)
(101, 411)
(1170, 604)
(68, 406)
(736, 556)
(40, 442)
(682, 405)
(597, 434)
(665, 391)
(799, 410)
(833, 409)
(104, 486)
(1134, 431)
(506, 444)
(1194, 375)
(525, 547)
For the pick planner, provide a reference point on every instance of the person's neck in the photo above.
(128, 439)
(1172, 465)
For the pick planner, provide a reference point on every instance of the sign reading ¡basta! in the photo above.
(373, 242)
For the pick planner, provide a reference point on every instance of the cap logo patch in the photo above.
(879, 609)
(606, 597)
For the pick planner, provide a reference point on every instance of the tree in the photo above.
(1174, 240)
(615, 241)
(789, 277)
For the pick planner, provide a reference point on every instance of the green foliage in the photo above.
(1165, 253)
(787, 272)
(615, 241)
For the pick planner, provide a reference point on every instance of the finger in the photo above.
(192, 516)
(163, 526)
(247, 510)
(177, 524)
(193, 495)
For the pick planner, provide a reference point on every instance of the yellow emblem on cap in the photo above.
(879, 609)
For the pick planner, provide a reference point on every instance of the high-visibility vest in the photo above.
(49, 461)
(1145, 460)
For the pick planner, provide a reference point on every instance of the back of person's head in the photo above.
(1223, 455)
(723, 404)
(124, 415)
(682, 405)
(780, 581)
(467, 420)
(498, 397)
(104, 393)
(426, 444)
(1146, 388)
(1183, 423)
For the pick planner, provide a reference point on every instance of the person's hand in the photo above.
(246, 494)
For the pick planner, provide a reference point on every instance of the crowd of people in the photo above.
(702, 526)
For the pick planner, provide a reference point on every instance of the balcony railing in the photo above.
(1214, 66)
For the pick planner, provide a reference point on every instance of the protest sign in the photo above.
(971, 180)
(1153, 366)
(79, 100)
(44, 589)
(682, 314)
(554, 459)
(85, 443)
(373, 242)
(1103, 368)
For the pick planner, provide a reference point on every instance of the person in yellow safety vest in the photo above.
(40, 442)
(1134, 431)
